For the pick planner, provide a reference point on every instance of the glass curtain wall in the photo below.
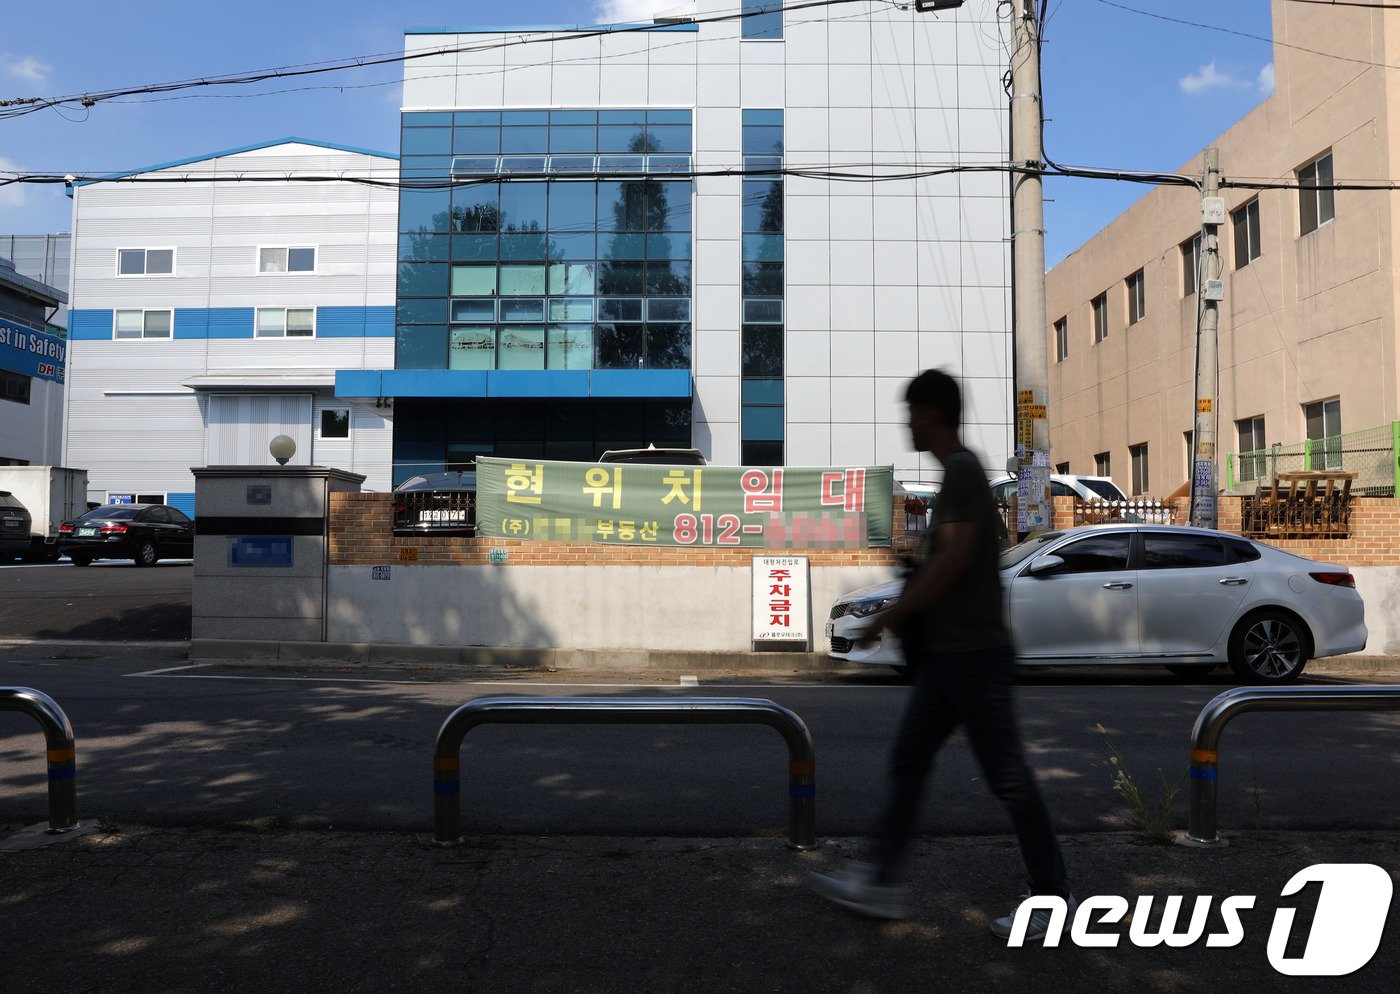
(584, 262)
(761, 339)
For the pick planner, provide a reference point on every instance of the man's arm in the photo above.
(957, 540)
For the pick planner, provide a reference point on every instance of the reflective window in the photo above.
(571, 309)
(763, 20)
(1098, 554)
(619, 309)
(668, 346)
(570, 347)
(1164, 551)
(571, 278)
(521, 348)
(472, 348)
(522, 281)
(473, 281)
(477, 207)
(474, 311)
(618, 346)
(522, 310)
(573, 207)
(523, 206)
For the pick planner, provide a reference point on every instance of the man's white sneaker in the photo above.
(1038, 923)
(853, 886)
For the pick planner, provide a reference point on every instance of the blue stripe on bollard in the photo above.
(447, 787)
(63, 773)
(1200, 774)
(802, 790)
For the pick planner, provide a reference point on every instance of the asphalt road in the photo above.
(351, 748)
(114, 601)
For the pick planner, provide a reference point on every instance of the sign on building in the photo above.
(32, 353)
(689, 506)
(782, 602)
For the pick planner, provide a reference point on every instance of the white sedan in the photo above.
(1186, 598)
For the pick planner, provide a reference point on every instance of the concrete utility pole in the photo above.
(1212, 290)
(1033, 506)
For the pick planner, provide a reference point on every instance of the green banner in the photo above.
(691, 506)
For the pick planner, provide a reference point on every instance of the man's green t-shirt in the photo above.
(969, 615)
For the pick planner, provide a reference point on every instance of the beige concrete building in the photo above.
(1308, 335)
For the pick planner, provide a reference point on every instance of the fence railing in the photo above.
(802, 789)
(61, 752)
(435, 512)
(1373, 454)
(1205, 736)
(1138, 510)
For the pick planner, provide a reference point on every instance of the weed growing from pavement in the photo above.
(108, 827)
(1152, 813)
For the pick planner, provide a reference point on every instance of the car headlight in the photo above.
(866, 608)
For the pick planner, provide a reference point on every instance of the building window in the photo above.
(1316, 207)
(286, 322)
(1062, 469)
(1099, 305)
(286, 259)
(1139, 454)
(763, 20)
(1246, 224)
(15, 387)
(335, 422)
(1323, 419)
(146, 262)
(1250, 432)
(1137, 303)
(1061, 339)
(143, 324)
(1101, 467)
(762, 431)
(1190, 265)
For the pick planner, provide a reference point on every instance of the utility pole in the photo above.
(1204, 512)
(1033, 506)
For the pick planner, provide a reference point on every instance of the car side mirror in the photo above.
(1045, 565)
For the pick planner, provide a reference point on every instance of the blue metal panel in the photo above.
(641, 383)
(537, 383)
(358, 383)
(89, 326)
(181, 502)
(354, 322)
(191, 322)
(227, 322)
(434, 383)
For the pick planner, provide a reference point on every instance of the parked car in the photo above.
(1187, 598)
(653, 456)
(53, 495)
(14, 526)
(143, 533)
(436, 504)
(1083, 487)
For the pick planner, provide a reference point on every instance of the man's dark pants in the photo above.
(975, 689)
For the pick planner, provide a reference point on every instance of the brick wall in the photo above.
(362, 534)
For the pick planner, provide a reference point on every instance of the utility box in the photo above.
(260, 550)
(51, 495)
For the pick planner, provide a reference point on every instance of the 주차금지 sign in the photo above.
(693, 506)
(782, 602)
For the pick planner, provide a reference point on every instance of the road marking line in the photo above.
(171, 669)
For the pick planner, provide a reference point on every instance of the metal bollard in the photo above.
(1205, 736)
(802, 789)
(62, 753)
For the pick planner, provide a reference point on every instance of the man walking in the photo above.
(959, 649)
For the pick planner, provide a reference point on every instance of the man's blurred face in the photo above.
(924, 423)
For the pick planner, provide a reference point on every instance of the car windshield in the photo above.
(115, 512)
(1104, 489)
(1022, 551)
(439, 481)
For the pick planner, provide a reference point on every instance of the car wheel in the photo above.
(1269, 647)
(146, 554)
(1191, 671)
(80, 559)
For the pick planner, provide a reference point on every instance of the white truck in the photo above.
(52, 495)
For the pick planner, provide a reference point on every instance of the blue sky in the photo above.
(1121, 89)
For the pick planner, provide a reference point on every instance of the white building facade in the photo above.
(214, 299)
(744, 235)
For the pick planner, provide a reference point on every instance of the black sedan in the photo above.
(143, 533)
(436, 504)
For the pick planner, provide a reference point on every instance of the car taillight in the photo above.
(113, 529)
(65, 529)
(1335, 579)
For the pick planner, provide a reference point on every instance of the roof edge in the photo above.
(291, 140)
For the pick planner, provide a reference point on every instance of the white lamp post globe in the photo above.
(282, 448)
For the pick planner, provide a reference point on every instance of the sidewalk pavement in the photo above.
(259, 908)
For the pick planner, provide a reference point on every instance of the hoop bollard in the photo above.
(802, 788)
(62, 753)
(1205, 736)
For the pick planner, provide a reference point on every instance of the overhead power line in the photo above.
(29, 105)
